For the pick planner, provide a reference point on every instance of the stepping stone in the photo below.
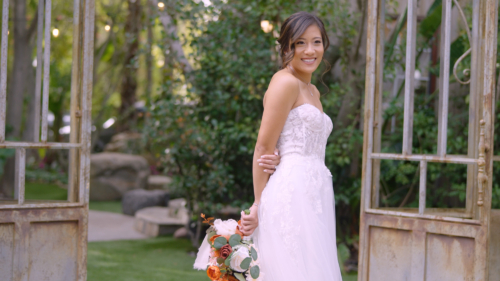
(106, 226)
(156, 221)
(158, 182)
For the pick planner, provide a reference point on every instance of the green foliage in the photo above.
(4, 155)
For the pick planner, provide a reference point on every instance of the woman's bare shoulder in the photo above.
(283, 86)
(283, 78)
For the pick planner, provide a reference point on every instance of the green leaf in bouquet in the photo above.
(228, 259)
(239, 276)
(210, 235)
(223, 270)
(234, 240)
(247, 212)
(253, 252)
(245, 263)
(255, 272)
(220, 260)
(219, 242)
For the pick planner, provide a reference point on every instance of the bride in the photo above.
(293, 217)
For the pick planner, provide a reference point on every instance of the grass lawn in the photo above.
(163, 258)
(48, 191)
(106, 206)
(44, 191)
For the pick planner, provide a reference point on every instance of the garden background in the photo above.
(188, 77)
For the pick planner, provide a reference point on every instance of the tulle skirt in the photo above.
(296, 237)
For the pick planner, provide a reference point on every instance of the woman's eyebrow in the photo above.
(305, 38)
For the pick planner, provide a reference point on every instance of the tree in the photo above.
(19, 89)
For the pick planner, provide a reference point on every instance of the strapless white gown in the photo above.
(296, 235)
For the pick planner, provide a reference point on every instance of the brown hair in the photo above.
(292, 28)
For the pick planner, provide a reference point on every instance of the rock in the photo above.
(126, 142)
(135, 200)
(181, 233)
(155, 221)
(158, 182)
(113, 174)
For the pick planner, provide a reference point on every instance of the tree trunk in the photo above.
(149, 55)
(22, 60)
(129, 81)
(350, 113)
(19, 88)
(175, 46)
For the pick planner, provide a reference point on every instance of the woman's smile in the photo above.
(309, 60)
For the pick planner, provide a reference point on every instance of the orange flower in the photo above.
(212, 239)
(238, 231)
(227, 277)
(213, 272)
(216, 254)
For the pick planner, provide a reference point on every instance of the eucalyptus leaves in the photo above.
(233, 256)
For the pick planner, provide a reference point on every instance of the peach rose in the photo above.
(212, 239)
(213, 272)
(216, 253)
(238, 231)
(227, 277)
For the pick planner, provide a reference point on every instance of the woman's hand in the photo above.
(269, 162)
(249, 222)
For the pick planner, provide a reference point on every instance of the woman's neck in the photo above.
(303, 76)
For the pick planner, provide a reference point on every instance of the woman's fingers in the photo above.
(267, 166)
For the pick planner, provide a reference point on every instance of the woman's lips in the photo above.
(309, 61)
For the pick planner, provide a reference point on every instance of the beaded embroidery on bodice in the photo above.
(305, 132)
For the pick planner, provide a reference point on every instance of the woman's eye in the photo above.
(317, 42)
(298, 43)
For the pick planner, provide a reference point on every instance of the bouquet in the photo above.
(226, 254)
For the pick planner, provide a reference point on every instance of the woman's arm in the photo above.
(269, 162)
(278, 101)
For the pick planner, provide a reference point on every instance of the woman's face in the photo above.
(308, 50)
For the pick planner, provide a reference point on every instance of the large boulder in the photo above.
(137, 199)
(125, 142)
(113, 174)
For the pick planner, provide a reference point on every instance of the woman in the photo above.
(293, 215)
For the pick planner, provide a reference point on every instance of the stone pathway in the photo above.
(106, 226)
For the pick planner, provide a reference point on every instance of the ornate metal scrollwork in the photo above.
(468, 51)
(482, 178)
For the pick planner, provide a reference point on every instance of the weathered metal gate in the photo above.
(47, 240)
(432, 243)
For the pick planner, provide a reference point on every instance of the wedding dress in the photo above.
(296, 236)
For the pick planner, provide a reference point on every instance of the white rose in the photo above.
(239, 254)
(227, 227)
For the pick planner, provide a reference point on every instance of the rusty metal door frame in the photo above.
(21, 218)
(474, 220)
(81, 102)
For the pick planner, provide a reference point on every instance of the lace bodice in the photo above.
(305, 132)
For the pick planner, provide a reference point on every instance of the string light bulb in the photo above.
(266, 26)
(55, 32)
(161, 5)
(107, 27)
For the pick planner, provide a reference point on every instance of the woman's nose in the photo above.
(309, 49)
